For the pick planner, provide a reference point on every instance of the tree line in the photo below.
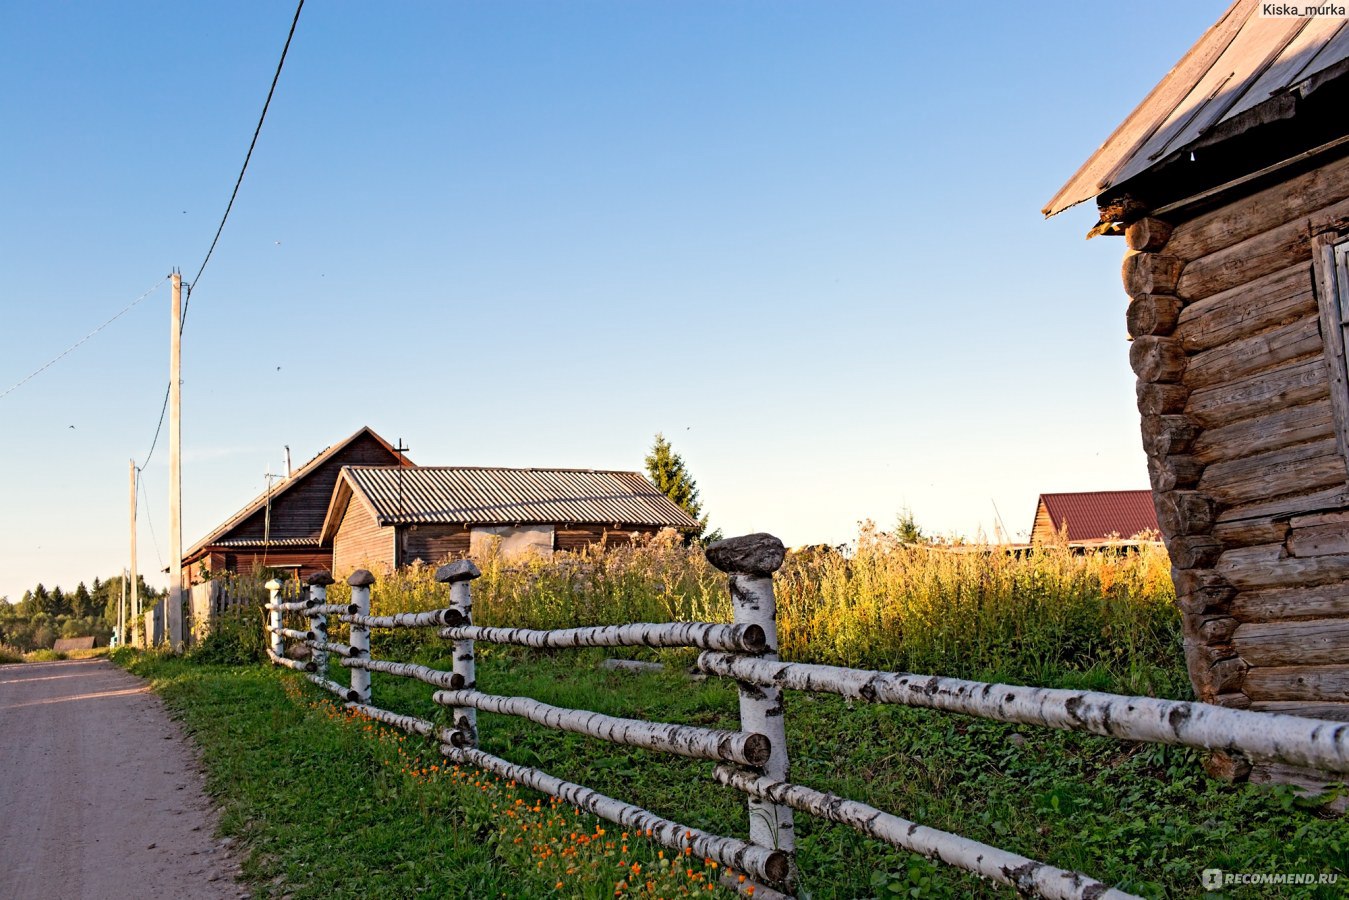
(42, 615)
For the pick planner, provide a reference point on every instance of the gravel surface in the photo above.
(100, 793)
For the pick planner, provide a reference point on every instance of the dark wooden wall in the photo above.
(360, 542)
(1238, 422)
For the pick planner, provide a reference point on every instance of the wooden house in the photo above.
(1230, 185)
(384, 517)
(280, 528)
(1095, 518)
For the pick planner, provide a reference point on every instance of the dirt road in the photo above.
(100, 795)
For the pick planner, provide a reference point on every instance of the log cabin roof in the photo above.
(1245, 71)
(1092, 516)
(444, 495)
(220, 536)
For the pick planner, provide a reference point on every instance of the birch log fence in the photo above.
(753, 760)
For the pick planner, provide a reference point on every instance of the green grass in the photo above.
(331, 810)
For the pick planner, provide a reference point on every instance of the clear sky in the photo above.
(802, 239)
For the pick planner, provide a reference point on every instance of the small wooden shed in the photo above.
(1095, 518)
(380, 516)
(1230, 184)
(280, 528)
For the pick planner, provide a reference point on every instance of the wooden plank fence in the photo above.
(753, 760)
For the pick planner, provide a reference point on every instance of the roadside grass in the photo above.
(335, 807)
(10, 654)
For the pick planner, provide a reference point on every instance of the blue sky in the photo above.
(802, 239)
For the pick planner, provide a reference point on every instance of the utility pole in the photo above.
(173, 620)
(135, 587)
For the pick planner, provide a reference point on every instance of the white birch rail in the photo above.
(292, 606)
(335, 647)
(299, 665)
(1312, 743)
(332, 687)
(1026, 875)
(437, 677)
(681, 740)
(331, 609)
(429, 619)
(410, 724)
(704, 635)
(758, 862)
(293, 634)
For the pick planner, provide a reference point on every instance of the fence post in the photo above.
(278, 643)
(318, 623)
(360, 582)
(457, 575)
(750, 561)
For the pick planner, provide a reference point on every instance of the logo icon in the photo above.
(1212, 879)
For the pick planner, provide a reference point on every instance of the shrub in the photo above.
(10, 654)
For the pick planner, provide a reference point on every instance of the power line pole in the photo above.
(174, 619)
(135, 586)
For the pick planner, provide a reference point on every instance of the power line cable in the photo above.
(154, 539)
(240, 180)
(63, 354)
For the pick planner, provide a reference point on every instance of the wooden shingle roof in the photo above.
(1248, 69)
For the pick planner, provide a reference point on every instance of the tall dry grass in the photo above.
(968, 611)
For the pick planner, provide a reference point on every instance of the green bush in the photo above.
(236, 639)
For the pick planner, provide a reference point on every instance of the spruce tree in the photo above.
(668, 472)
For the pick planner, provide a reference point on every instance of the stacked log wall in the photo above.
(1251, 488)
(360, 541)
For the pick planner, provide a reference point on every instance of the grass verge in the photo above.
(334, 807)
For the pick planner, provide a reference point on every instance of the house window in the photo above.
(1330, 264)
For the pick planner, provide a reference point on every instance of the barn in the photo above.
(382, 517)
(1230, 186)
(280, 528)
(1094, 518)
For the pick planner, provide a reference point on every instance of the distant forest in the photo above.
(42, 616)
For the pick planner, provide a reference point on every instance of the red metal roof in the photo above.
(1097, 515)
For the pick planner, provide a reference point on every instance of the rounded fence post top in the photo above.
(272, 585)
(320, 579)
(361, 578)
(459, 570)
(751, 554)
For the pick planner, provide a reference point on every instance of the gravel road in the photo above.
(100, 793)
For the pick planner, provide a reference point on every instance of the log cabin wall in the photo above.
(360, 542)
(432, 543)
(1240, 427)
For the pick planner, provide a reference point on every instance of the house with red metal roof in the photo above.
(1095, 518)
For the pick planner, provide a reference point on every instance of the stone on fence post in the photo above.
(278, 643)
(751, 561)
(457, 575)
(360, 582)
(318, 595)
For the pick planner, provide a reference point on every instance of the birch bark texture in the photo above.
(318, 621)
(750, 561)
(760, 863)
(277, 643)
(1026, 875)
(458, 575)
(360, 582)
(681, 740)
(703, 635)
(1261, 736)
(437, 677)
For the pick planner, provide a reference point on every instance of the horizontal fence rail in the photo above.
(753, 759)
(1263, 736)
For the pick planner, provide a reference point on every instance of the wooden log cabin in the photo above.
(1095, 519)
(1230, 186)
(386, 518)
(280, 528)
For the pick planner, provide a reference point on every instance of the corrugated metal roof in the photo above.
(1240, 73)
(465, 494)
(274, 542)
(1098, 515)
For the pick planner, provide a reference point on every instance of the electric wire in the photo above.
(63, 354)
(240, 180)
(154, 539)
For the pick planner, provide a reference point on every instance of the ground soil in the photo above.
(101, 795)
